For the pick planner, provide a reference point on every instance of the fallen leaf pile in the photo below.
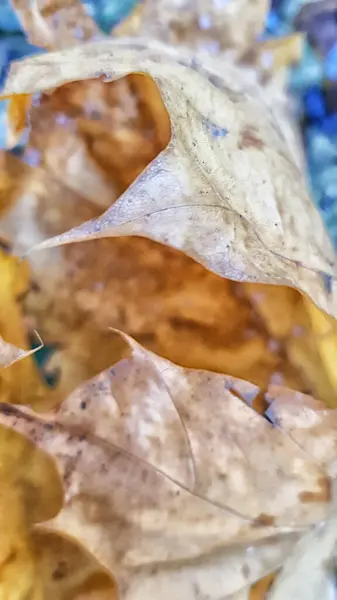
(157, 195)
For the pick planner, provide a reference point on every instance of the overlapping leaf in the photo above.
(164, 469)
(225, 190)
(83, 149)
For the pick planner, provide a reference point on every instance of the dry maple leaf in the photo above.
(225, 190)
(84, 149)
(320, 327)
(164, 474)
(161, 297)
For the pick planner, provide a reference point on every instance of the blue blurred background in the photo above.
(313, 81)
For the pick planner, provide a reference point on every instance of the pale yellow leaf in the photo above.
(165, 475)
(225, 190)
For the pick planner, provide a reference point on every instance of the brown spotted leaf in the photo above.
(225, 191)
(165, 475)
(88, 141)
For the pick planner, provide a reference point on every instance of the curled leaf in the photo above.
(88, 142)
(225, 190)
(165, 473)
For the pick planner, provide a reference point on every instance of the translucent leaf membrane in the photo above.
(88, 141)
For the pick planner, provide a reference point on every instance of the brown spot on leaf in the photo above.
(60, 571)
(250, 139)
(264, 520)
(323, 495)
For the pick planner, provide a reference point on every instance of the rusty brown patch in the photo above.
(249, 139)
(323, 495)
(264, 520)
(259, 590)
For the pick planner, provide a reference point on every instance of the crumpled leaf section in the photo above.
(165, 469)
(225, 190)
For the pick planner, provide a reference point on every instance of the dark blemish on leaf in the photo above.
(5, 247)
(146, 338)
(250, 139)
(264, 520)
(323, 495)
(103, 468)
(7, 410)
(60, 572)
(34, 287)
(194, 64)
(95, 115)
(245, 570)
(215, 130)
(216, 81)
(197, 594)
(327, 282)
(83, 405)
